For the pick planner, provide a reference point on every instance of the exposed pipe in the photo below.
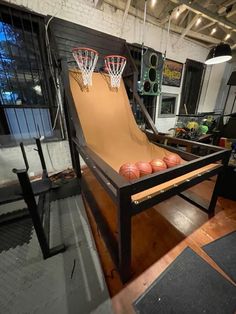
(125, 16)
(144, 22)
(168, 35)
(143, 36)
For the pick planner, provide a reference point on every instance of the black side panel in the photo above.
(67, 35)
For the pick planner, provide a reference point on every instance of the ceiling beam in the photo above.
(206, 26)
(119, 4)
(180, 9)
(164, 20)
(183, 17)
(195, 35)
(196, 8)
(233, 47)
(232, 12)
(225, 30)
(206, 4)
(98, 3)
(231, 38)
(227, 3)
(160, 7)
(187, 29)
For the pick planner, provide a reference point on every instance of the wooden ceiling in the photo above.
(207, 21)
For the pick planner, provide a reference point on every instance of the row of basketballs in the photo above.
(131, 171)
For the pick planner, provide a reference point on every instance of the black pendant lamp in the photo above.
(218, 54)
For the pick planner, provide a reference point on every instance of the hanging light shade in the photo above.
(218, 54)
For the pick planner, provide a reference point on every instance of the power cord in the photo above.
(50, 62)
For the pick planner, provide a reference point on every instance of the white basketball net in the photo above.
(115, 66)
(86, 60)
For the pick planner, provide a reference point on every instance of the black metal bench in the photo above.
(39, 212)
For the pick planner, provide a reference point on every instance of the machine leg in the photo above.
(124, 233)
(214, 197)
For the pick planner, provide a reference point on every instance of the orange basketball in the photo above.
(157, 164)
(144, 168)
(129, 171)
(172, 160)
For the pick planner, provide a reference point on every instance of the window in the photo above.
(167, 105)
(27, 106)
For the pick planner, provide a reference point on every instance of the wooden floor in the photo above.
(159, 235)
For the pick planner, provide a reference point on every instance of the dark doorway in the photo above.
(192, 85)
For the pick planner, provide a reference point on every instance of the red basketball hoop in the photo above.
(115, 65)
(86, 59)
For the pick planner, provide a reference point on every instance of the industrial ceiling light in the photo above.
(198, 21)
(177, 14)
(153, 3)
(213, 30)
(227, 36)
(218, 54)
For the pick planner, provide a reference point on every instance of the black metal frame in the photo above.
(40, 213)
(121, 191)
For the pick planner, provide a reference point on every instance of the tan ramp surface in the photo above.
(110, 129)
(108, 123)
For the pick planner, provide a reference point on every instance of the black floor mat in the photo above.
(188, 285)
(67, 189)
(15, 233)
(223, 252)
(13, 193)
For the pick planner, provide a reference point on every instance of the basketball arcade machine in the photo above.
(115, 185)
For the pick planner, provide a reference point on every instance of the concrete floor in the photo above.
(67, 283)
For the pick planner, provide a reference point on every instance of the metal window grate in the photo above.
(27, 108)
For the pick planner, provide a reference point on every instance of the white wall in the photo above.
(213, 80)
(223, 91)
(56, 154)
(231, 102)
(204, 91)
(164, 124)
